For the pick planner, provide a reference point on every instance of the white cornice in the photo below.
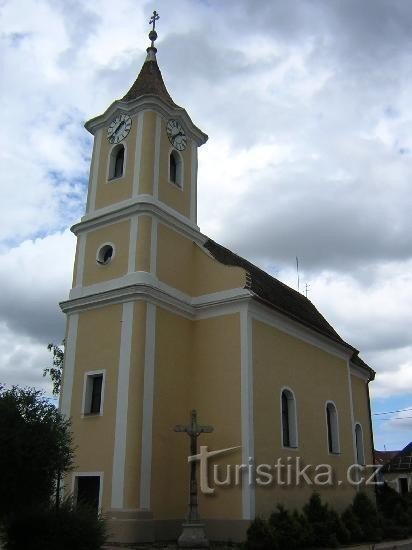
(142, 204)
(146, 103)
(142, 285)
(272, 317)
(358, 371)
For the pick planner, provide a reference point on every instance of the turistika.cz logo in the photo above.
(288, 472)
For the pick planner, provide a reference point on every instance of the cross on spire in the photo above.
(153, 19)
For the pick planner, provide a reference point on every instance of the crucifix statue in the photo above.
(193, 534)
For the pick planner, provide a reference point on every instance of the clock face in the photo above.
(176, 135)
(119, 128)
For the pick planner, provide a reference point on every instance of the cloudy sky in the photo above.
(307, 108)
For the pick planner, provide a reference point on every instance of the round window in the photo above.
(105, 254)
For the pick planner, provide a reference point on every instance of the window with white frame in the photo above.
(87, 491)
(360, 453)
(176, 168)
(93, 393)
(289, 424)
(332, 428)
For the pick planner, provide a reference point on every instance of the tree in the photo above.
(56, 371)
(35, 449)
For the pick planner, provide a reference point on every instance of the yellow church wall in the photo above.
(183, 265)
(361, 413)
(315, 377)
(173, 360)
(97, 348)
(134, 414)
(148, 151)
(169, 193)
(144, 228)
(215, 393)
(117, 234)
(190, 357)
(117, 189)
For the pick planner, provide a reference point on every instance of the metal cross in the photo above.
(193, 430)
(153, 19)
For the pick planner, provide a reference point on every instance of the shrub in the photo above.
(367, 515)
(64, 528)
(259, 535)
(325, 526)
(289, 530)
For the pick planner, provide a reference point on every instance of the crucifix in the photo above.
(193, 529)
(153, 33)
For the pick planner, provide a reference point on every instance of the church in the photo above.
(162, 320)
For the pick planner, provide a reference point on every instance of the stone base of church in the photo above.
(134, 526)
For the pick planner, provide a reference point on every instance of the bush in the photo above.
(367, 515)
(325, 527)
(289, 530)
(396, 512)
(259, 536)
(64, 528)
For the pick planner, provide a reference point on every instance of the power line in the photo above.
(393, 412)
(394, 418)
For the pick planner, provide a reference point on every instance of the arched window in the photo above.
(116, 166)
(288, 412)
(332, 428)
(175, 168)
(360, 453)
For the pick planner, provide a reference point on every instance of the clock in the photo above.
(119, 128)
(176, 134)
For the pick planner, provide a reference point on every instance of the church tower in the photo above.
(162, 320)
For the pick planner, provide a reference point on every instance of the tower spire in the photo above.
(151, 50)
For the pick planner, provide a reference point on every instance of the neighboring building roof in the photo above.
(382, 457)
(149, 81)
(282, 298)
(401, 462)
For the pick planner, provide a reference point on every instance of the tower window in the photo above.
(87, 491)
(93, 393)
(105, 254)
(116, 166)
(176, 169)
(332, 428)
(288, 412)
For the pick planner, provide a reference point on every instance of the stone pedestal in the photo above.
(193, 535)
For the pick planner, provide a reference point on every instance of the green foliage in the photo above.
(324, 524)
(289, 530)
(56, 371)
(35, 446)
(259, 535)
(65, 528)
(396, 512)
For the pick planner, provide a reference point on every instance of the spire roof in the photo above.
(149, 80)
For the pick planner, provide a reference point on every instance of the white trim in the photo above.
(147, 102)
(108, 243)
(89, 474)
(137, 155)
(94, 172)
(68, 370)
(110, 180)
(156, 166)
(292, 418)
(193, 184)
(362, 448)
(119, 454)
(87, 375)
(153, 248)
(143, 204)
(81, 250)
(246, 399)
(147, 422)
(335, 436)
(352, 414)
(131, 264)
(360, 373)
(275, 319)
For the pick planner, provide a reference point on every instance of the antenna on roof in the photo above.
(297, 271)
(306, 289)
